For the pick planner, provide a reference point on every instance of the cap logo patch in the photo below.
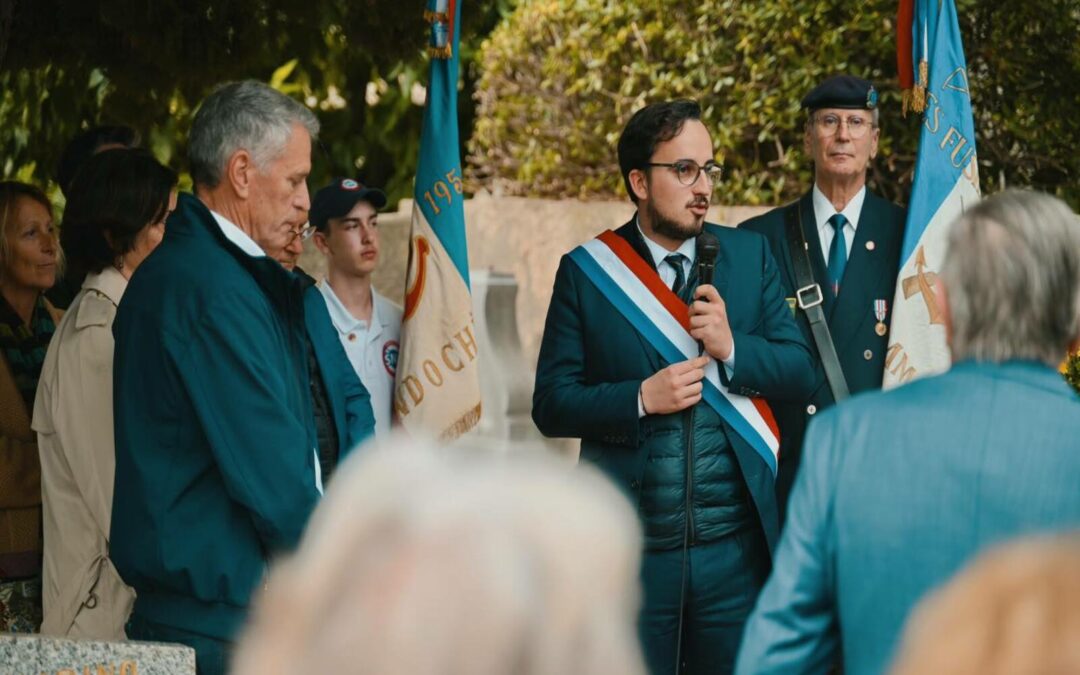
(349, 184)
(871, 98)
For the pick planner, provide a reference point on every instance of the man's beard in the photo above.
(667, 227)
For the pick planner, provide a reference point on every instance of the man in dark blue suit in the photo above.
(856, 271)
(703, 488)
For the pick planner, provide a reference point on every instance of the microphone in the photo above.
(707, 248)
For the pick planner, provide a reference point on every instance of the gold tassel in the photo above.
(905, 101)
(438, 17)
(918, 94)
(463, 424)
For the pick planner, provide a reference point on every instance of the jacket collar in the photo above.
(1032, 373)
(237, 236)
(194, 218)
(346, 322)
(108, 282)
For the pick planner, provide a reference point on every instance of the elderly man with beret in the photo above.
(838, 249)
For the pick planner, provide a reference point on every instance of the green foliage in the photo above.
(67, 65)
(560, 78)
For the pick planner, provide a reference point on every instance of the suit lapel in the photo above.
(817, 259)
(861, 277)
(631, 234)
(783, 255)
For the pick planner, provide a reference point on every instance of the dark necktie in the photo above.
(837, 252)
(676, 262)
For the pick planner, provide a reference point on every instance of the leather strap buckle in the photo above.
(805, 299)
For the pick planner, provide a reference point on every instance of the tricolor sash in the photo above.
(635, 289)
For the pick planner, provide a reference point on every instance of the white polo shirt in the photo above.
(372, 348)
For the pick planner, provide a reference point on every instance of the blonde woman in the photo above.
(29, 257)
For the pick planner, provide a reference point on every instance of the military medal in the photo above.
(881, 308)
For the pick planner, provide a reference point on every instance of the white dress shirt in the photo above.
(688, 249)
(237, 236)
(823, 210)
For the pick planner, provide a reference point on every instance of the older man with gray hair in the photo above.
(216, 467)
(900, 489)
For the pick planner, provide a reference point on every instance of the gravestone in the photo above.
(38, 655)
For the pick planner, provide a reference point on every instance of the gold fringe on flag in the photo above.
(466, 422)
(438, 17)
(918, 94)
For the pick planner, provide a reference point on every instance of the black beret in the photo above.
(842, 91)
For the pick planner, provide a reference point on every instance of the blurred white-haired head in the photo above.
(455, 561)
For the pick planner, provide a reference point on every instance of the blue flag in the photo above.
(946, 183)
(437, 387)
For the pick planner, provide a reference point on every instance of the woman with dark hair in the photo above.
(117, 206)
(81, 148)
(29, 257)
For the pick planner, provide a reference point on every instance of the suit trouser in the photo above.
(722, 583)
(211, 655)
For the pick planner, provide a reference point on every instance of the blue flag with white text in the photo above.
(946, 183)
(437, 388)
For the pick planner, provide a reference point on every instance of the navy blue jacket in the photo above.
(592, 363)
(870, 275)
(215, 439)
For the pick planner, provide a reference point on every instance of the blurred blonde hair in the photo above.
(1016, 610)
(425, 562)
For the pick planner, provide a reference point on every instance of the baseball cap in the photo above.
(339, 197)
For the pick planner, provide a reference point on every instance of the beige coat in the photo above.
(82, 594)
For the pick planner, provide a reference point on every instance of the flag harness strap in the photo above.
(809, 299)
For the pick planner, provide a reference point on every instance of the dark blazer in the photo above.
(592, 363)
(870, 275)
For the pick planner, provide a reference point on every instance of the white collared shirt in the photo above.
(237, 236)
(667, 274)
(372, 347)
(823, 210)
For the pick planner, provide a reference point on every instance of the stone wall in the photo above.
(44, 655)
(514, 235)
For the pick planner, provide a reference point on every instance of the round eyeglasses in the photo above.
(688, 171)
(829, 125)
